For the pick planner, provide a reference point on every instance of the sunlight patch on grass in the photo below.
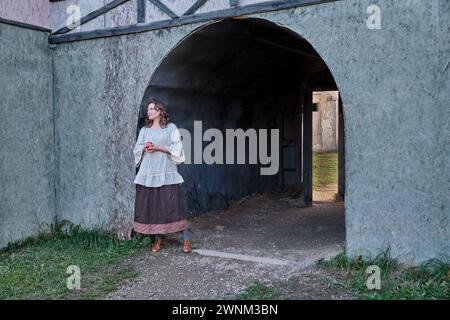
(325, 169)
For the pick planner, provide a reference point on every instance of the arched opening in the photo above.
(247, 74)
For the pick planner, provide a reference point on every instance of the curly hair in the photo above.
(164, 115)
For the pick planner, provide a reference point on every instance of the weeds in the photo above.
(430, 280)
(35, 268)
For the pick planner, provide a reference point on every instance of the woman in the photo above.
(158, 151)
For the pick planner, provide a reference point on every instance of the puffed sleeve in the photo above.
(176, 146)
(138, 148)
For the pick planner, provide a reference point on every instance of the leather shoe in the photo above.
(187, 246)
(156, 246)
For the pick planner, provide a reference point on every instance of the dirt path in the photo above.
(264, 239)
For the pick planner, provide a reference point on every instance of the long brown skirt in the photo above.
(158, 210)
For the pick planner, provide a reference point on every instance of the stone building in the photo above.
(73, 99)
(325, 121)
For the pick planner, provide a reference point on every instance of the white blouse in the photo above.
(159, 168)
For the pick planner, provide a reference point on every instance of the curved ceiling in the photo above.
(242, 58)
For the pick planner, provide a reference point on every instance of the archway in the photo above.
(248, 74)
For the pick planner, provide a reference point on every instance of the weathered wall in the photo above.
(441, 186)
(393, 82)
(60, 12)
(126, 14)
(33, 12)
(27, 167)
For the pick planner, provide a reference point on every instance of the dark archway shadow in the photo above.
(242, 73)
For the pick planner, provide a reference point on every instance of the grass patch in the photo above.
(108, 284)
(259, 291)
(325, 169)
(36, 267)
(430, 280)
(308, 285)
(344, 278)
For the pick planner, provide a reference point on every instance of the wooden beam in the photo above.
(197, 5)
(195, 18)
(308, 147)
(299, 108)
(24, 25)
(141, 11)
(341, 150)
(161, 6)
(93, 15)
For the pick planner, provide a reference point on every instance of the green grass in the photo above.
(259, 291)
(344, 278)
(430, 280)
(325, 168)
(36, 267)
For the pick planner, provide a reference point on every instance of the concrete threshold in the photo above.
(244, 257)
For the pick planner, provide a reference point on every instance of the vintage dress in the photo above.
(158, 205)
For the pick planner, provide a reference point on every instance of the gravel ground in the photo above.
(268, 225)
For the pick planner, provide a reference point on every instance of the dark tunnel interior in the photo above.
(239, 73)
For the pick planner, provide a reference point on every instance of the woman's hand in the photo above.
(147, 149)
(154, 148)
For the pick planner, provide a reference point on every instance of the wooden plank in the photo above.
(195, 18)
(197, 5)
(24, 25)
(300, 133)
(161, 6)
(141, 11)
(307, 147)
(94, 14)
(341, 151)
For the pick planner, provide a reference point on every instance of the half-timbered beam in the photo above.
(194, 18)
(24, 25)
(141, 11)
(93, 15)
(161, 6)
(197, 5)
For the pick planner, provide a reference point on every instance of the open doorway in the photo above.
(325, 128)
(323, 145)
(236, 74)
(243, 74)
(250, 74)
